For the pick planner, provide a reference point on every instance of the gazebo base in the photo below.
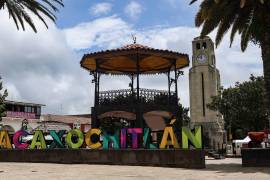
(180, 158)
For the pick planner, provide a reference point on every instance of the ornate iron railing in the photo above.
(126, 96)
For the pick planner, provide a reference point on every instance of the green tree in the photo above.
(2, 99)
(242, 106)
(249, 18)
(21, 10)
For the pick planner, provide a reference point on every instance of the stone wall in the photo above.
(165, 158)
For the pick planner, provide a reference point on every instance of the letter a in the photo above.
(38, 141)
(168, 131)
(4, 140)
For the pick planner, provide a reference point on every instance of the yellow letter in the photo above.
(89, 142)
(4, 140)
(164, 141)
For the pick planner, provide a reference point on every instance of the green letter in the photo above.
(78, 134)
(113, 138)
(146, 139)
(38, 141)
(196, 139)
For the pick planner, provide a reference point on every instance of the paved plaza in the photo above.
(216, 169)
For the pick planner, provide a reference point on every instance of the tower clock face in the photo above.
(201, 58)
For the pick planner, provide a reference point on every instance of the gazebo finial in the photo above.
(134, 38)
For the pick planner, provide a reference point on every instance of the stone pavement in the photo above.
(229, 168)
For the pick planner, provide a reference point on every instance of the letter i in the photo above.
(124, 138)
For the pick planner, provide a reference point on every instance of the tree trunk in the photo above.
(265, 47)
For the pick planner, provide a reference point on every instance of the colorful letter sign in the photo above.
(96, 138)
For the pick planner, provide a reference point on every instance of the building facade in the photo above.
(204, 82)
(28, 116)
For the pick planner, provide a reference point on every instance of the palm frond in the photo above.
(226, 21)
(19, 10)
(245, 37)
(193, 1)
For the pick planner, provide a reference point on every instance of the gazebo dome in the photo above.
(127, 59)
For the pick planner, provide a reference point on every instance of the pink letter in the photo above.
(134, 132)
(16, 139)
(124, 138)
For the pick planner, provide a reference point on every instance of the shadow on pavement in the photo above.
(235, 168)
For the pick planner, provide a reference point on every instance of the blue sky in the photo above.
(45, 67)
(153, 12)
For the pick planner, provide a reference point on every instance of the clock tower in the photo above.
(204, 82)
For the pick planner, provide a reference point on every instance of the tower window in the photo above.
(204, 46)
(198, 46)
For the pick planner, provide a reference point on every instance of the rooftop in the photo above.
(22, 103)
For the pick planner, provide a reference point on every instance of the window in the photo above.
(204, 46)
(198, 46)
(28, 109)
(38, 110)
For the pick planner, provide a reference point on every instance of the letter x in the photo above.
(57, 139)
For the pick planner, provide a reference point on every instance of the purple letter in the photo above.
(134, 132)
(124, 138)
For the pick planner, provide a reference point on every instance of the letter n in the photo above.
(195, 139)
(111, 138)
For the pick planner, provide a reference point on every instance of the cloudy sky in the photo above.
(44, 67)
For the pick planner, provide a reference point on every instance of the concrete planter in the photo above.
(255, 157)
(142, 157)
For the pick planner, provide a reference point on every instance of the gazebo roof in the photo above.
(124, 60)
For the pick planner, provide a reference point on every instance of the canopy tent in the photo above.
(245, 140)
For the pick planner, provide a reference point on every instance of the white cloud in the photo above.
(100, 32)
(44, 68)
(101, 9)
(41, 68)
(133, 9)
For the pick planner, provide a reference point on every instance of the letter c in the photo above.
(17, 142)
(89, 142)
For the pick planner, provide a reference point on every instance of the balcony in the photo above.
(25, 115)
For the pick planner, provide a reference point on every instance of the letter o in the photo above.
(88, 141)
(69, 141)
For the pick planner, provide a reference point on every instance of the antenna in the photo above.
(134, 39)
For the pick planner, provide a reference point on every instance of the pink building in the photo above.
(15, 109)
